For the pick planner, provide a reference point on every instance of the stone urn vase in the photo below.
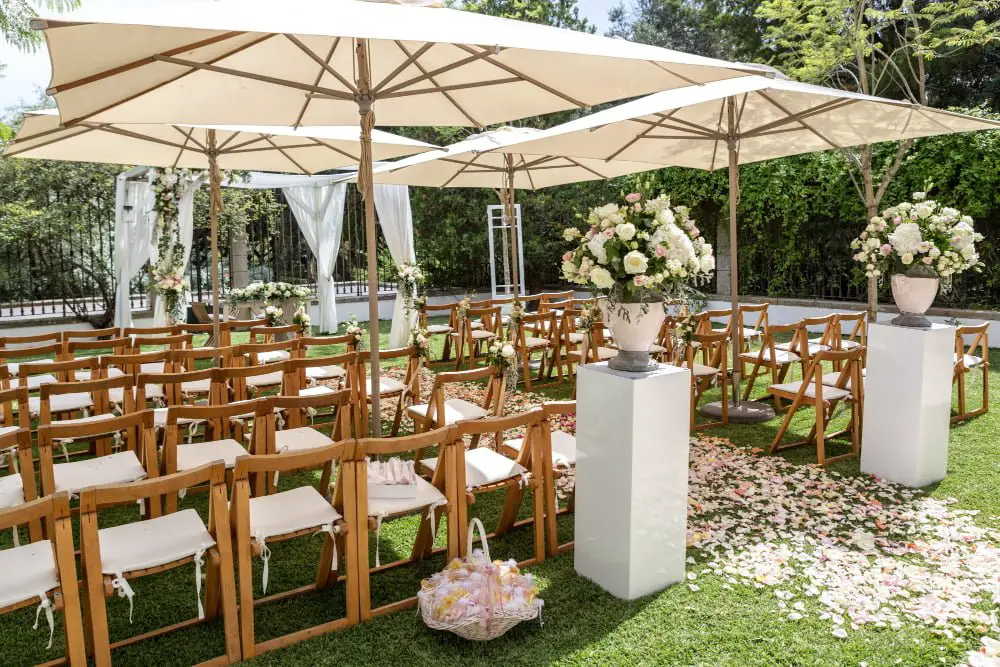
(914, 292)
(635, 327)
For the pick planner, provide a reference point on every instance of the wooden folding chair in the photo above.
(546, 300)
(168, 342)
(206, 328)
(200, 358)
(112, 557)
(90, 334)
(99, 347)
(167, 388)
(966, 361)
(715, 348)
(326, 345)
(472, 338)
(15, 357)
(10, 417)
(68, 403)
(269, 334)
(102, 408)
(18, 485)
(810, 391)
(31, 340)
(406, 393)
(229, 327)
(294, 513)
(303, 377)
(143, 332)
(440, 411)
(817, 341)
(752, 321)
(773, 358)
(431, 500)
(439, 310)
(259, 354)
(43, 572)
(537, 333)
(481, 469)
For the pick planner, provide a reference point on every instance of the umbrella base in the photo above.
(744, 412)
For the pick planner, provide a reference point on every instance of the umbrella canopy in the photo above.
(254, 62)
(726, 123)
(321, 61)
(302, 151)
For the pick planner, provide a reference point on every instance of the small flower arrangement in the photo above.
(356, 330)
(463, 308)
(409, 278)
(421, 341)
(274, 316)
(503, 355)
(590, 315)
(264, 292)
(683, 332)
(173, 287)
(303, 319)
(419, 302)
(921, 236)
(640, 251)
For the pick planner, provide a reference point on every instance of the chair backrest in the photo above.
(546, 299)
(712, 343)
(142, 332)
(708, 317)
(219, 416)
(266, 334)
(235, 378)
(980, 341)
(527, 420)
(296, 375)
(752, 316)
(296, 409)
(307, 342)
(187, 358)
(229, 327)
(27, 353)
(137, 436)
(63, 371)
(768, 351)
(825, 325)
(207, 328)
(74, 348)
(411, 378)
(537, 325)
(9, 396)
(850, 327)
(493, 397)
(31, 340)
(200, 311)
(490, 316)
(260, 465)
(83, 334)
(368, 447)
(99, 390)
(132, 364)
(171, 342)
(425, 309)
(251, 351)
(172, 384)
(850, 374)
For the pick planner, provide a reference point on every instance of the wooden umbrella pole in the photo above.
(214, 205)
(367, 111)
(510, 213)
(734, 199)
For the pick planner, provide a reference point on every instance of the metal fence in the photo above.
(55, 273)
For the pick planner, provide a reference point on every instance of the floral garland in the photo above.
(421, 342)
(515, 316)
(168, 272)
(267, 292)
(409, 278)
(919, 237)
(356, 330)
(274, 316)
(303, 319)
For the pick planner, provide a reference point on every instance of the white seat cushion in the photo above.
(11, 490)
(849, 344)
(532, 342)
(433, 329)
(160, 418)
(455, 410)
(476, 324)
(153, 542)
(780, 356)
(814, 346)
(273, 356)
(426, 495)
(266, 380)
(830, 379)
(299, 439)
(152, 367)
(116, 468)
(575, 337)
(14, 366)
(26, 572)
(387, 385)
(289, 511)
(197, 386)
(61, 403)
(968, 360)
(110, 374)
(4, 430)
(325, 372)
(318, 390)
(701, 370)
(35, 381)
(484, 466)
(196, 454)
(829, 393)
(605, 353)
(480, 334)
(563, 448)
(89, 420)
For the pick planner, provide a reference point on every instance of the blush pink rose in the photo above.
(633, 197)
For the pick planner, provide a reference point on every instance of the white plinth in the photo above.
(908, 403)
(631, 478)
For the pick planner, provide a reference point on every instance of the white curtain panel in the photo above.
(392, 203)
(134, 226)
(185, 220)
(319, 210)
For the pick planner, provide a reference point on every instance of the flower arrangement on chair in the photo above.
(463, 308)
(274, 316)
(421, 341)
(635, 255)
(503, 355)
(303, 319)
(919, 243)
(409, 278)
(356, 330)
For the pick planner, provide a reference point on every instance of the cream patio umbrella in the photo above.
(493, 160)
(230, 147)
(309, 62)
(750, 119)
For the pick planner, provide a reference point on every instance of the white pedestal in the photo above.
(908, 403)
(631, 478)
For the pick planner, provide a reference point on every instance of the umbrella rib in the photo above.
(538, 161)
(683, 137)
(257, 138)
(141, 137)
(319, 77)
(440, 70)
(743, 106)
(718, 130)
(329, 92)
(333, 148)
(797, 118)
(459, 172)
(323, 64)
(242, 47)
(148, 60)
(639, 136)
(264, 137)
(450, 87)
(410, 59)
(527, 170)
(13, 149)
(586, 168)
(187, 137)
(679, 76)
(524, 77)
(448, 97)
(808, 113)
(685, 126)
(932, 119)
(286, 155)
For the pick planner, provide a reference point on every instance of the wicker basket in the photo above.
(482, 629)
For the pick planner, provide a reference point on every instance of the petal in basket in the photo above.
(479, 598)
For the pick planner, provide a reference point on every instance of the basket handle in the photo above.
(475, 525)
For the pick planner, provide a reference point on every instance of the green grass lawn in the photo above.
(716, 625)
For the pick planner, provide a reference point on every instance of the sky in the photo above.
(28, 73)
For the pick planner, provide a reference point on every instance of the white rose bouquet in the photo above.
(303, 319)
(421, 341)
(274, 316)
(644, 250)
(503, 355)
(921, 236)
(409, 278)
(356, 330)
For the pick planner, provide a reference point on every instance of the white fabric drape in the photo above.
(134, 226)
(392, 203)
(185, 221)
(319, 211)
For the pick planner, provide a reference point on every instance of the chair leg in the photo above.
(511, 505)
(821, 434)
(96, 606)
(326, 560)
(961, 393)
(212, 584)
